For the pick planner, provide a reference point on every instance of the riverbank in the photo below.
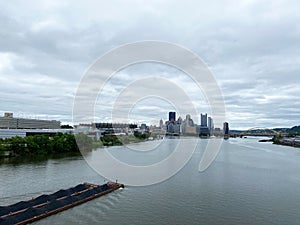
(291, 141)
(33, 159)
(40, 145)
(117, 140)
(46, 146)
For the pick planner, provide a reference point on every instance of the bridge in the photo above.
(260, 131)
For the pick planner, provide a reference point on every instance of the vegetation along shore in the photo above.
(60, 143)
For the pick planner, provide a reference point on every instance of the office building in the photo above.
(226, 130)
(173, 126)
(204, 120)
(172, 116)
(210, 125)
(161, 123)
(204, 130)
(188, 127)
(189, 121)
(9, 122)
(9, 133)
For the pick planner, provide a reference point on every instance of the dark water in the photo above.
(248, 183)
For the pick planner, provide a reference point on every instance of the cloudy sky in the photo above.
(251, 47)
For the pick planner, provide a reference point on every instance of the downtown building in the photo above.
(204, 129)
(188, 127)
(226, 130)
(9, 122)
(173, 126)
(210, 125)
(111, 129)
(20, 127)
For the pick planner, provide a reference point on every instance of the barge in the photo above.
(25, 212)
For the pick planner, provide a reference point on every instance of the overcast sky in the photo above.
(251, 47)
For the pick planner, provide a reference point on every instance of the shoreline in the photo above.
(292, 142)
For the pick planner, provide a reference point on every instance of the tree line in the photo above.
(44, 144)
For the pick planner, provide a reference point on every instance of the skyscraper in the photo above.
(210, 124)
(189, 121)
(173, 126)
(226, 130)
(204, 131)
(161, 123)
(204, 120)
(172, 116)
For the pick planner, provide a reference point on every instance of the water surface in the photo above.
(248, 183)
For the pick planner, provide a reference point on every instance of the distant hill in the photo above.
(236, 131)
(292, 131)
(295, 129)
(284, 130)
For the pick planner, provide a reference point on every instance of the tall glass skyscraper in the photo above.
(210, 124)
(172, 116)
(226, 128)
(204, 120)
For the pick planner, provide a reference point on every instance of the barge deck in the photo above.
(25, 212)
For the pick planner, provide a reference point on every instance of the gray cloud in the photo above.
(252, 48)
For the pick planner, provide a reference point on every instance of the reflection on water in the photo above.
(36, 158)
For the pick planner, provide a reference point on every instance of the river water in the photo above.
(248, 183)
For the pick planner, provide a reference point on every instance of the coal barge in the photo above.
(46, 205)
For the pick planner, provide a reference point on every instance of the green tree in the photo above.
(84, 142)
(140, 135)
(66, 126)
(18, 145)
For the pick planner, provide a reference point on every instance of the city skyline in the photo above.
(250, 47)
(189, 110)
(209, 124)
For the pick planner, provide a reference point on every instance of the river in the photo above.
(248, 183)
